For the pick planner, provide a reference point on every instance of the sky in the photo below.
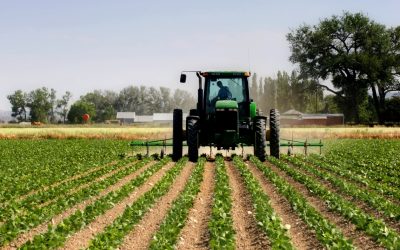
(100, 44)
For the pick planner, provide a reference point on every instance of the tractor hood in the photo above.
(226, 104)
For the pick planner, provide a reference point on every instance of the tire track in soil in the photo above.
(74, 177)
(359, 238)
(141, 235)
(81, 239)
(362, 205)
(248, 234)
(300, 234)
(42, 228)
(100, 178)
(194, 234)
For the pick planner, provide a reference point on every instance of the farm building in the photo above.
(126, 117)
(143, 118)
(295, 118)
(165, 117)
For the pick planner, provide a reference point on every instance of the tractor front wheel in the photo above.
(274, 133)
(192, 132)
(259, 138)
(177, 132)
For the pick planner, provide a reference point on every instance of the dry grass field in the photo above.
(152, 132)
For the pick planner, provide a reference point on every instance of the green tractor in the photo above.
(225, 117)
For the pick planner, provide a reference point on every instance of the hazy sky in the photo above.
(85, 45)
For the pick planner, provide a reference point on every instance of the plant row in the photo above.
(327, 233)
(376, 201)
(113, 235)
(222, 234)
(56, 236)
(341, 170)
(27, 165)
(167, 235)
(267, 219)
(23, 222)
(373, 227)
(15, 207)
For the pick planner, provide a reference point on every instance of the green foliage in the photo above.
(355, 52)
(40, 105)
(386, 236)
(330, 236)
(113, 234)
(166, 237)
(78, 109)
(221, 223)
(55, 237)
(18, 101)
(267, 219)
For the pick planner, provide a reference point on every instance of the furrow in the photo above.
(349, 230)
(248, 235)
(302, 236)
(195, 234)
(29, 235)
(141, 236)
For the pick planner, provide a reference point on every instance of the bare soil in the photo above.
(395, 225)
(359, 238)
(141, 235)
(23, 238)
(82, 238)
(195, 234)
(302, 236)
(248, 234)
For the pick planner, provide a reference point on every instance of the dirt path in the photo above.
(23, 238)
(359, 238)
(362, 205)
(300, 234)
(82, 238)
(141, 235)
(74, 177)
(194, 234)
(248, 234)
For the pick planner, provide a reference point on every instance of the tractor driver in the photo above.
(224, 93)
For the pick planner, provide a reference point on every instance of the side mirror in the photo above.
(183, 78)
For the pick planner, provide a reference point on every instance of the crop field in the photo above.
(85, 194)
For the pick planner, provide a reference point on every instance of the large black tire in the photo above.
(192, 132)
(177, 134)
(259, 138)
(274, 133)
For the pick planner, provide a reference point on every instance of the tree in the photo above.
(254, 88)
(78, 109)
(18, 102)
(351, 50)
(62, 105)
(39, 102)
(104, 103)
(53, 103)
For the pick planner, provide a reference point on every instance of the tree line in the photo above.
(42, 105)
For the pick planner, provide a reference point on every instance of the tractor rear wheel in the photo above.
(259, 138)
(177, 134)
(192, 131)
(274, 133)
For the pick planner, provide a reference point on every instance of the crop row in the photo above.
(329, 235)
(55, 237)
(22, 222)
(221, 229)
(343, 170)
(30, 203)
(373, 227)
(166, 237)
(113, 235)
(267, 219)
(371, 198)
(27, 165)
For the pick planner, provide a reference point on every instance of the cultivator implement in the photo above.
(164, 143)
